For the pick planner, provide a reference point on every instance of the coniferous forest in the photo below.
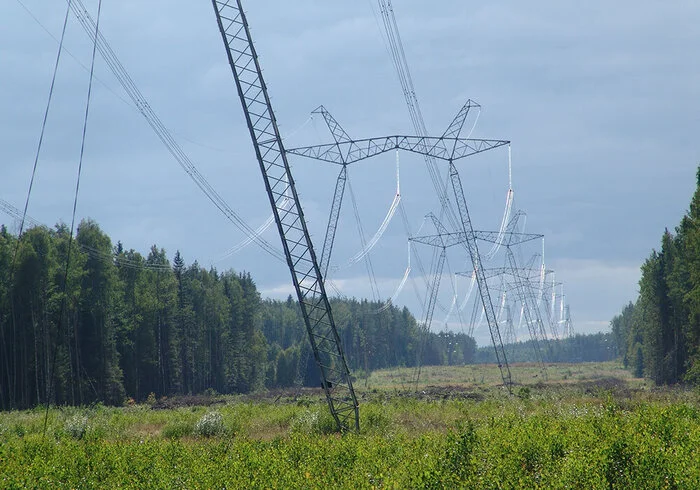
(659, 334)
(597, 347)
(117, 325)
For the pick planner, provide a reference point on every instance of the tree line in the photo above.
(659, 334)
(598, 347)
(111, 324)
(373, 337)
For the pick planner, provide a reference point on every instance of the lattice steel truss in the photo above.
(431, 302)
(531, 313)
(568, 322)
(296, 241)
(339, 136)
(448, 239)
(522, 286)
(549, 290)
(445, 239)
(449, 147)
(486, 300)
(15, 213)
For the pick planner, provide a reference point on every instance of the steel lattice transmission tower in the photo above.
(519, 286)
(289, 216)
(449, 147)
(445, 239)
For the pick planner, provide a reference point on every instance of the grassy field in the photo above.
(585, 426)
(488, 375)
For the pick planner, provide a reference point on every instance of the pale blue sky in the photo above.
(600, 99)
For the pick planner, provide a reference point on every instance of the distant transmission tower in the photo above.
(449, 147)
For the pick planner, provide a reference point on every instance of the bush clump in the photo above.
(178, 430)
(211, 424)
(76, 426)
(314, 421)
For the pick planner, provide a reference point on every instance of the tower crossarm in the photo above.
(523, 273)
(442, 239)
(506, 237)
(442, 148)
(456, 238)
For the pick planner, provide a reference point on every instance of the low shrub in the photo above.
(178, 430)
(76, 426)
(211, 424)
(314, 421)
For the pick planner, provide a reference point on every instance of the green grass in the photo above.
(588, 426)
(488, 375)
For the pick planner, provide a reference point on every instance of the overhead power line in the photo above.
(119, 260)
(103, 47)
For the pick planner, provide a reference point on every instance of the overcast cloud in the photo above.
(600, 99)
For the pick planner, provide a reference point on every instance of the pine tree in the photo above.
(691, 299)
(184, 325)
(96, 318)
(159, 295)
(663, 329)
